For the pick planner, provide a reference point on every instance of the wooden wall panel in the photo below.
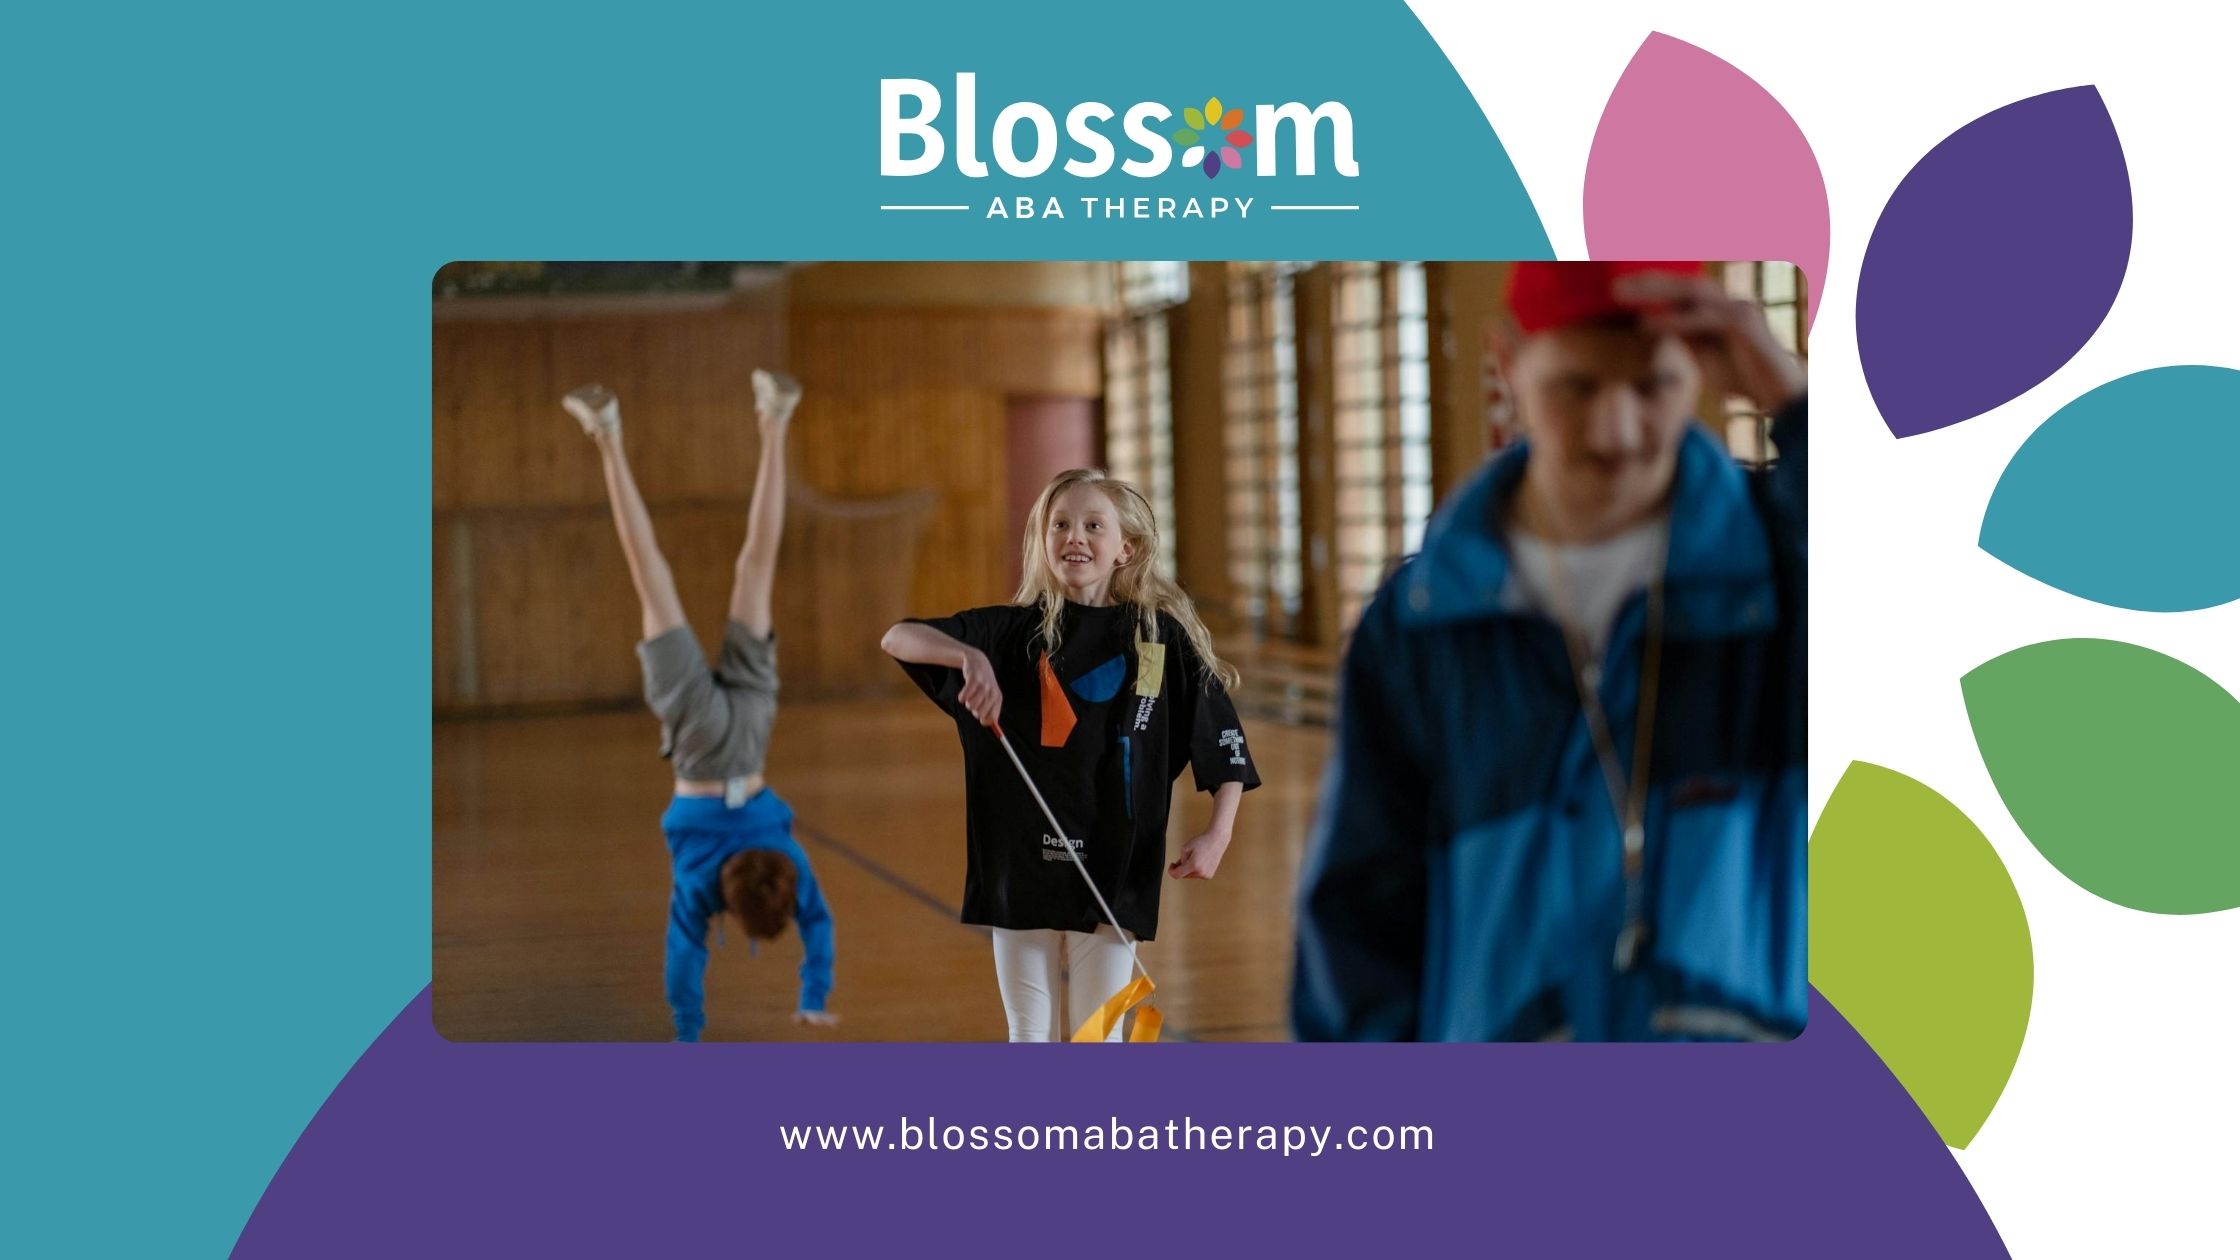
(533, 601)
(1469, 301)
(1002, 350)
(552, 620)
(914, 399)
(861, 444)
(450, 657)
(888, 285)
(844, 576)
(488, 379)
(553, 614)
(687, 404)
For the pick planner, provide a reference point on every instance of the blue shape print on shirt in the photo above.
(1103, 682)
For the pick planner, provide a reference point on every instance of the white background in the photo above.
(2116, 1134)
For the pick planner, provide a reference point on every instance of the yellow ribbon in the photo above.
(1100, 1024)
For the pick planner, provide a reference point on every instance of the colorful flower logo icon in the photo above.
(1211, 153)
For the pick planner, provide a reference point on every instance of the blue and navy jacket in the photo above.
(1463, 880)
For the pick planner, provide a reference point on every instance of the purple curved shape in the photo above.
(1994, 261)
(1693, 159)
(429, 1148)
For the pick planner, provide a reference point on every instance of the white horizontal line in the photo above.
(1314, 207)
(925, 207)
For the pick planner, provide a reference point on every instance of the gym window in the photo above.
(1260, 441)
(1381, 426)
(1778, 289)
(1139, 413)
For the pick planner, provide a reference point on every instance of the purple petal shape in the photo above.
(1994, 261)
(555, 1151)
(1692, 159)
(1213, 165)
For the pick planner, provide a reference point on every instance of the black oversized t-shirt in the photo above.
(1107, 774)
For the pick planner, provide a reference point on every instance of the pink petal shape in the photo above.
(1230, 158)
(1693, 159)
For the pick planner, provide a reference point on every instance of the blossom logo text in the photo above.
(922, 132)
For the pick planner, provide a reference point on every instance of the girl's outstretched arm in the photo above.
(921, 644)
(1201, 856)
(595, 408)
(756, 571)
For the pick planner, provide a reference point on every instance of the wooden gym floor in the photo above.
(552, 884)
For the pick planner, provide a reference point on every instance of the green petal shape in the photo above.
(1193, 117)
(2121, 765)
(1183, 135)
(1918, 937)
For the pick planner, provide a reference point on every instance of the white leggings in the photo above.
(1035, 969)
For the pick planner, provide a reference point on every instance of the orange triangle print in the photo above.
(1057, 711)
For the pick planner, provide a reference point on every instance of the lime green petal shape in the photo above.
(2121, 765)
(1917, 936)
(1183, 135)
(1193, 117)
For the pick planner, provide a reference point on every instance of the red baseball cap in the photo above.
(1544, 295)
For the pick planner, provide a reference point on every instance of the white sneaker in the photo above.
(595, 408)
(775, 394)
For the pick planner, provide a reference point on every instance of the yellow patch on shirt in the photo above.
(1151, 668)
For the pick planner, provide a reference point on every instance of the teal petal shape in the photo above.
(2121, 765)
(2126, 496)
(1918, 937)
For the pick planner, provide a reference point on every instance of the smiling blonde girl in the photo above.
(1107, 681)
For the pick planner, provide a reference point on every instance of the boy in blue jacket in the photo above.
(1566, 795)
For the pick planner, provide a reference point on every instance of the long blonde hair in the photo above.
(1140, 583)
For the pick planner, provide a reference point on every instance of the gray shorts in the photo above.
(715, 724)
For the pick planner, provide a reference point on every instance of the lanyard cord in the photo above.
(1629, 797)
